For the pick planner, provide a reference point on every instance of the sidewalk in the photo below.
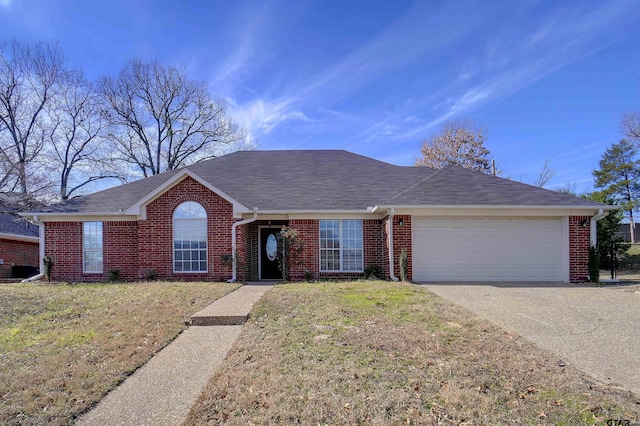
(163, 391)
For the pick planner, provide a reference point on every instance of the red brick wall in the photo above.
(309, 230)
(135, 248)
(63, 243)
(243, 249)
(309, 233)
(401, 239)
(18, 253)
(120, 249)
(579, 242)
(372, 235)
(155, 234)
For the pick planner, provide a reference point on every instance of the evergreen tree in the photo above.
(619, 179)
(607, 227)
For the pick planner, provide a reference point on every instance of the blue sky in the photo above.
(549, 80)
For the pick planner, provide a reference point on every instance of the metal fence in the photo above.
(622, 262)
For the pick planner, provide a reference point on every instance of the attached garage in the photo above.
(490, 249)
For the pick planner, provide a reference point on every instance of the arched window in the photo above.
(190, 238)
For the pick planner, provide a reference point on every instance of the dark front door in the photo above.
(268, 250)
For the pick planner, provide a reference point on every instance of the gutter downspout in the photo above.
(234, 276)
(593, 226)
(40, 226)
(392, 274)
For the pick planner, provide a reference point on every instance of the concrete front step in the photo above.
(200, 319)
(232, 309)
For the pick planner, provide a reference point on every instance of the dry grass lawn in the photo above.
(64, 346)
(386, 353)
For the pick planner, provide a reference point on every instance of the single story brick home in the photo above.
(19, 251)
(352, 212)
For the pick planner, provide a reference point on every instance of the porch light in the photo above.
(401, 221)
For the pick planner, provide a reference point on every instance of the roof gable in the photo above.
(139, 207)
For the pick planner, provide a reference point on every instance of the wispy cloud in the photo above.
(5, 3)
(416, 35)
(261, 118)
(510, 62)
(511, 58)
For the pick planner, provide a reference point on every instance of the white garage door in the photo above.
(500, 249)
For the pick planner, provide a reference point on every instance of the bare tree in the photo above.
(80, 153)
(546, 174)
(630, 126)
(459, 142)
(161, 120)
(29, 79)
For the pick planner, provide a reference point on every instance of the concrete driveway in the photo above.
(597, 329)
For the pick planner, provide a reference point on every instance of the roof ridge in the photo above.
(415, 184)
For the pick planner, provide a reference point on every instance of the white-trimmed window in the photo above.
(92, 247)
(341, 246)
(190, 238)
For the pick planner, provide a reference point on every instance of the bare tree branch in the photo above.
(630, 126)
(29, 80)
(161, 120)
(458, 143)
(546, 174)
(78, 147)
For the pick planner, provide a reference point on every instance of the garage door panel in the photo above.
(501, 249)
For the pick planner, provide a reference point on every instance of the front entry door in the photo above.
(268, 250)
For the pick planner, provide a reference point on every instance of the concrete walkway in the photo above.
(233, 309)
(163, 391)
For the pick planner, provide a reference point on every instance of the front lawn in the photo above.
(64, 346)
(391, 353)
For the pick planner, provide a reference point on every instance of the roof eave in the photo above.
(497, 206)
(311, 211)
(17, 237)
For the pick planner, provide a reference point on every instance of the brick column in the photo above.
(579, 242)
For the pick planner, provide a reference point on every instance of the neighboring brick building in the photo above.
(351, 212)
(19, 248)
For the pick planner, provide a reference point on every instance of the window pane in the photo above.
(190, 238)
(92, 247)
(341, 243)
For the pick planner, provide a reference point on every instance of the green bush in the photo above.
(114, 275)
(152, 275)
(373, 271)
(48, 267)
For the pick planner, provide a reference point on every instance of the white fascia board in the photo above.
(139, 208)
(492, 210)
(316, 214)
(16, 237)
(79, 217)
(293, 212)
(342, 215)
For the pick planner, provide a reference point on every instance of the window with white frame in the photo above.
(190, 238)
(341, 246)
(92, 247)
